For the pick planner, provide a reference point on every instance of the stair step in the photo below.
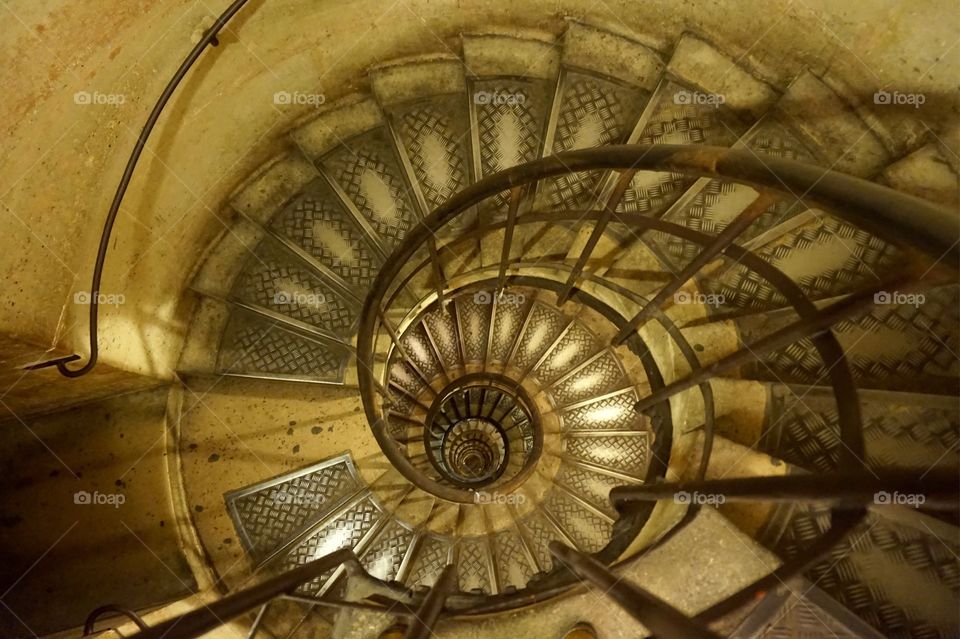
(905, 345)
(268, 190)
(901, 430)
(826, 122)
(800, 609)
(269, 514)
(898, 577)
(926, 173)
(425, 101)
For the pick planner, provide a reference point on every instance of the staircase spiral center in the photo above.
(482, 432)
(475, 450)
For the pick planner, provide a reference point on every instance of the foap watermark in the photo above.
(296, 497)
(698, 499)
(886, 298)
(883, 498)
(96, 498)
(96, 98)
(499, 98)
(698, 98)
(707, 299)
(503, 298)
(103, 299)
(312, 300)
(896, 98)
(298, 98)
(485, 498)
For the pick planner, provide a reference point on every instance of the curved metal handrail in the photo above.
(90, 624)
(209, 39)
(903, 220)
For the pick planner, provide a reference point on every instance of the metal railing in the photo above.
(845, 492)
(209, 38)
(915, 225)
(926, 232)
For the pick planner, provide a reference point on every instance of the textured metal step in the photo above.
(425, 101)
(271, 513)
(901, 430)
(367, 172)
(800, 609)
(825, 256)
(255, 346)
(604, 84)
(907, 344)
(353, 525)
(901, 577)
(276, 280)
(318, 221)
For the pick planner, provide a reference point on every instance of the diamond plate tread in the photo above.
(345, 530)
(403, 376)
(651, 192)
(542, 328)
(600, 376)
(627, 453)
(254, 346)
(275, 280)
(802, 611)
(607, 413)
(318, 221)
(402, 405)
(435, 135)
(593, 112)
(712, 208)
(676, 120)
(510, 129)
(804, 430)
(368, 171)
(591, 486)
(590, 532)
(417, 345)
(268, 514)
(473, 565)
(507, 323)
(513, 565)
(825, 257)
(768, 137)
(430, 559)
(898, 346)
(574, 348)
(719, 202)
(901, 580)
(512, 122)
(540, 532)
(443, 329)
(474, 323)
(385, 555)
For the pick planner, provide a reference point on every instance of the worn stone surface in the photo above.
(87, 515)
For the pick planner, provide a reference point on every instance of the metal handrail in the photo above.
(900, 219)
(206, 618)
(90, 624)
(837, 490)
(209, 39)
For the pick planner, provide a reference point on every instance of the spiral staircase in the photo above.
(500, 340)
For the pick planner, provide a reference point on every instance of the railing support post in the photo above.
(661, 619)
(426, 618)
(724, 239)
(619, 188)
